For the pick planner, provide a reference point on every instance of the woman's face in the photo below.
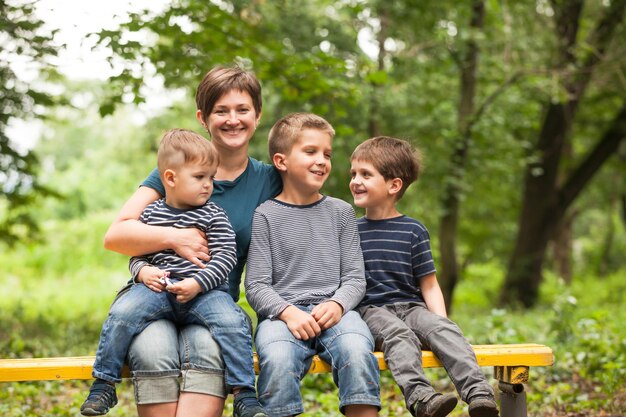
(232, 120)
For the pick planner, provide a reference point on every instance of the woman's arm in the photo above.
(129, 236)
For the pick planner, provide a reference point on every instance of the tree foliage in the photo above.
(549, 189)
(21, 37)
(468, 83)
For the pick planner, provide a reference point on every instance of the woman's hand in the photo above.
(191, 244)
(129, 236)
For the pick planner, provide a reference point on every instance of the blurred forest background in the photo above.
(518, 106)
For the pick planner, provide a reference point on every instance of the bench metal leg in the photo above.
(512, 400)
(511, 381)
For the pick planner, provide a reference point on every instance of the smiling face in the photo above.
(307, 164)
(191, 184)
(368, 187)
(232, 121)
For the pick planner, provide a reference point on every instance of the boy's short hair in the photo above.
(392, 157)
(222, 79)
(181, 146)
(286, 131)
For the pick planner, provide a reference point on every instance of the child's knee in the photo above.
(397, 333)
(137, 303)
(236, 319)
(278, 355)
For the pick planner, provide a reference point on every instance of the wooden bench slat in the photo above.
(486, 355)
(43, 369)
(80, 367)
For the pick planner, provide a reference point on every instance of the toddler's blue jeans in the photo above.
(138, 306)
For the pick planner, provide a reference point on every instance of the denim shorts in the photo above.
(165, 361)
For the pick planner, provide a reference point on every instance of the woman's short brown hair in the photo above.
(221, 80)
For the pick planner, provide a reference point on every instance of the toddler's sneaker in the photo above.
(438, 406)
(101, 398)
(483, 406)
(247, 405)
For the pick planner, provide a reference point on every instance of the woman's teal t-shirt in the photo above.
(239, 198)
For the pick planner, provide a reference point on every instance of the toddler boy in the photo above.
(187, 164)
(403, 305)
(304, 277)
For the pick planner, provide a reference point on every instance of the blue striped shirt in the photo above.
(397, 254)
(304, 255)
(209, 218)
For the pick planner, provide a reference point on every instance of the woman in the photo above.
(229, 105)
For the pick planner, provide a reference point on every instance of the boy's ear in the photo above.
(394, 186)
(279, 161)
(169, 177)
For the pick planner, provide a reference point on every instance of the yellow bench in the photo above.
(511, 368)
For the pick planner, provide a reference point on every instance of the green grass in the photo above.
(57, 295)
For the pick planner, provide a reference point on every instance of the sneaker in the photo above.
(247, 405)
(483, 406)
(101, 398)
(438, 406)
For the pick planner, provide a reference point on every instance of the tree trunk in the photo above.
(609, 237)
(562, 248)
(449, 274)
(623, 199)
(524, 273)
(544, 203)
(545, 207)
(562, 240)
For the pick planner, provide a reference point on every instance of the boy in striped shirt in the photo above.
(304, 277)
(403, 305)
(167, 286)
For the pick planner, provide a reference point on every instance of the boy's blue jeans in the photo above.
(284, 360)
(138, 306)
(401, 330)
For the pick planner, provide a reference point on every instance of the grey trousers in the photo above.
(402, 330)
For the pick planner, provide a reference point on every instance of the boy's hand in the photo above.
(301, 324)
(327, 314)
(152, 277)
(191, 243)
(185, 290)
